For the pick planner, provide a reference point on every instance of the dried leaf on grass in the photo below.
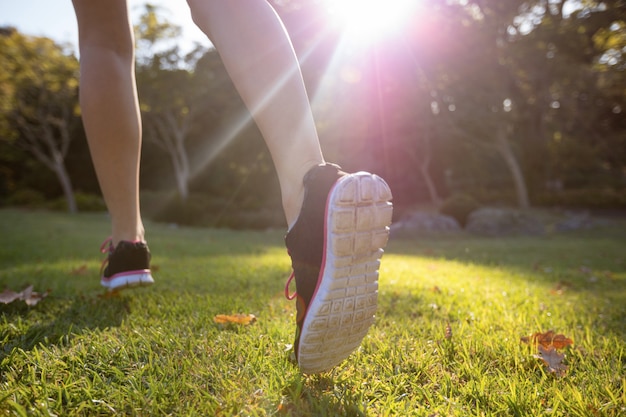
(547, 339)
(242, 319)
(547, 345)
(27, 295)
(560, 287)
(552, 359)
(80, 270)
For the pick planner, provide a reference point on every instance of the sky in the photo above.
(55, 19)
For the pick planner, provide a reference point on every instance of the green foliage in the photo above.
(84, 202)
(207, 211)
(157, 351)
(459, 206)
(425, 106)
(26, 197)
(39, 81)
(593, 198)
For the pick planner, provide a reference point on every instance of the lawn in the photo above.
(446, 341)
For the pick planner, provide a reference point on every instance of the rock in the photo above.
(501, 222)
(574, 221)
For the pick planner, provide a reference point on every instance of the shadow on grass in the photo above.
(59, 321)
(590, 263)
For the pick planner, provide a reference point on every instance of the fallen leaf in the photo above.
(243, 319)
(7, 296)
(31, 297)
(116, 293)
(548, 339)
(81, 270)
(560, 287)
(27, 295)
(552, 359)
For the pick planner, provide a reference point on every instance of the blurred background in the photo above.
(477, 102)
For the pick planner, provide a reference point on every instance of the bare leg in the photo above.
(259, 57)
(110, 111)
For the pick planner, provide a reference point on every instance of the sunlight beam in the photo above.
(363, 21)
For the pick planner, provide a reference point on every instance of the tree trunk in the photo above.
(504, 148)
(430, 185)
(66, 185)
(170, 136)
(423, 165)
(181, 171)
(50, 152)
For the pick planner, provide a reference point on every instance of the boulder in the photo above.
(490, 221)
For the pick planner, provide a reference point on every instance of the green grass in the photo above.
(157, 351)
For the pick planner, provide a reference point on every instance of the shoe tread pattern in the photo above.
(345, 305)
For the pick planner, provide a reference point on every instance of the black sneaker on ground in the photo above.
(127, 265)
(335, 247)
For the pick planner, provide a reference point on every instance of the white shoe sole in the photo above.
(343, 306)
(127, 280)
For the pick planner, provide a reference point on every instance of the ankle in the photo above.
(292, 206)
(129, 236)
(293, 193)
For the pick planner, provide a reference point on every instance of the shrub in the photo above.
(84, 202)
(252, 219)
(194, 211)
(459, 206)
(27, 197)
(89, 202)
(590, 198)
(202, 210)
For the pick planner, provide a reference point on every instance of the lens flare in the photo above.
(363, 21)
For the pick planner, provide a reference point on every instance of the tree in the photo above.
(39, 83)
(567, 71)
(527, 91)
(167, 92)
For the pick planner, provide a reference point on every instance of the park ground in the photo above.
(447, 339)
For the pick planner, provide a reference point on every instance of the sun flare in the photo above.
(367, 20)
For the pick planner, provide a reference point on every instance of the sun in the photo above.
(363, 21)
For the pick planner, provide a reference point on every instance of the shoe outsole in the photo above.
(343, 307)
(128, 280)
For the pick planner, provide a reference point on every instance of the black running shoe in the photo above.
(127, 265)
(335, 247)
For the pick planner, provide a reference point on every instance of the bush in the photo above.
(84, 202)
(589, 198)
(27, 197)
(195, 211)
(202, 210)
(459, 206)
(89, 202)
(252, 219)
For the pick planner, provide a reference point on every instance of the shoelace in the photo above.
(295, 293)
(291, 277)
(106, 247)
